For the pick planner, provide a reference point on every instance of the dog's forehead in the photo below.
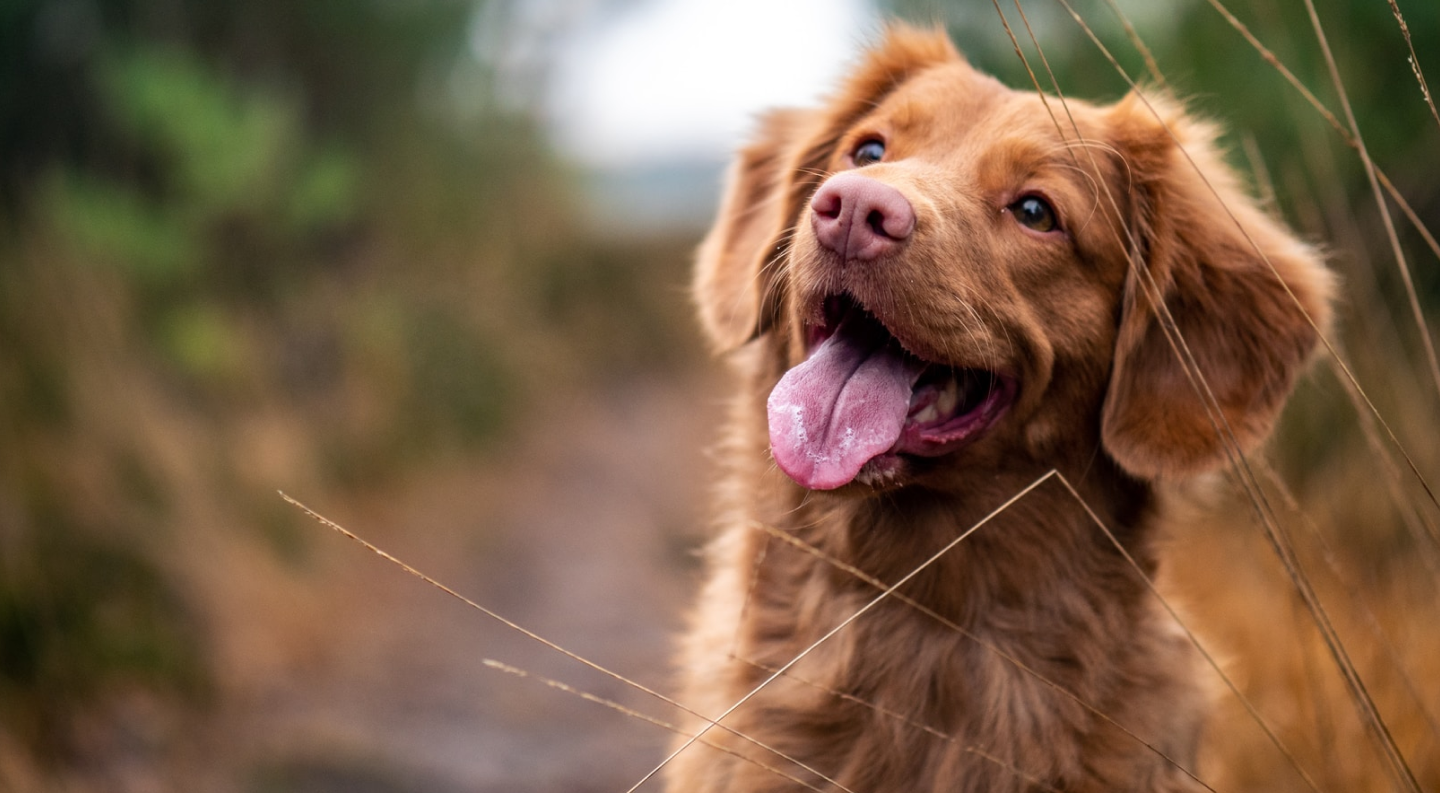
(951, 105)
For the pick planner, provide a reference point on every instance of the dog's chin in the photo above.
(914, 414)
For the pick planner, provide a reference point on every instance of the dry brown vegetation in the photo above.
(518, 408)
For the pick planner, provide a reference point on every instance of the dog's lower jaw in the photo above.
(966, 679)
(881, 472)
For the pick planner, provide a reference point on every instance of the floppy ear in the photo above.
(1247, 304)
(737, 285)
(734, 273)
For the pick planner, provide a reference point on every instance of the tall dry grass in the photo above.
(1350, 503)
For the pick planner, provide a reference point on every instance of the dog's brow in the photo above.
(906, 114)
(1017, 159)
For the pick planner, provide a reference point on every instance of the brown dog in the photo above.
(935, 290)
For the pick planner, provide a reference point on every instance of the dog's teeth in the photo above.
(949, 397)
(929, 414)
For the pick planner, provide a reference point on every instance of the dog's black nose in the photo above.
(860, 218)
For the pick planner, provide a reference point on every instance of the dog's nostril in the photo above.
(876, 221)
(828, 204)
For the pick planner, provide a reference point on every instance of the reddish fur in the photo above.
(1102, 399)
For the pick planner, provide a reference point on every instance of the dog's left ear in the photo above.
(1242, 292)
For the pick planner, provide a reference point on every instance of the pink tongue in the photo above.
(843, 406)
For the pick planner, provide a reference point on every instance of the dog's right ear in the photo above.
(737, 283)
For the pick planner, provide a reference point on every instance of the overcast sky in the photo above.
(681, 79)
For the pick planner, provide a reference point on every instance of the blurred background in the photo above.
(422, 264)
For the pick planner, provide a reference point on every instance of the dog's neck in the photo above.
(962, 553)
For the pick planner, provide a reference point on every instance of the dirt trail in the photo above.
(584, 534)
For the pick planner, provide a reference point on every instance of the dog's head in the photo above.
(952, 272)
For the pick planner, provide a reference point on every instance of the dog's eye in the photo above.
(870, 151)
(1035, 213)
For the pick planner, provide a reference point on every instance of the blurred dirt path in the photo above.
(581, 530)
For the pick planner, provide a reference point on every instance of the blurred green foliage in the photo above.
(224, 215)
(80, 617)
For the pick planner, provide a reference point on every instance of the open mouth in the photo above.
(860, 400)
